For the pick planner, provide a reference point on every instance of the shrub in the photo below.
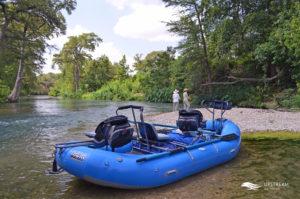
(127, 90)
(160, 95)
(243, 95)
(4, 91)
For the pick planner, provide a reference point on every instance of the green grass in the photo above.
(271, 135)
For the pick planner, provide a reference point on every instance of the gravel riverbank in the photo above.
(247, 119)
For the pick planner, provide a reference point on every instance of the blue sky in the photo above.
(127, 27)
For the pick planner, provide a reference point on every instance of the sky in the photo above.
(127, 27)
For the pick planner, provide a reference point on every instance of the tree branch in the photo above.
(241, 79)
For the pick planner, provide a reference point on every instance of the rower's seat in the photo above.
(114, 131)
(152, 133)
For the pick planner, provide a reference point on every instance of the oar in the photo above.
(74, 144)
(158, 155)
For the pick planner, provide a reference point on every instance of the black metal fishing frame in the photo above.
(141, 108)
(216, 104)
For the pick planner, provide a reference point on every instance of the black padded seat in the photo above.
(152, 133)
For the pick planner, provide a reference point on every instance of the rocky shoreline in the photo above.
(247, 119)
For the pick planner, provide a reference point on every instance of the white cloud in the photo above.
(121, 4)
(146, 22)
(110, 50)
(61, 40)
(48, 63)
(105, 48)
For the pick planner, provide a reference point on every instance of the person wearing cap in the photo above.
(176, 99)
(186, 103)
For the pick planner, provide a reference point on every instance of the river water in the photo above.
(30, 128)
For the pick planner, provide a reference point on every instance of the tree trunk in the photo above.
(236, 19)
(272, 68)
(77, 76)
(204, 46)
(3, 31)
(74, 77)
(14, 95)
(4, 27)
(5, 24)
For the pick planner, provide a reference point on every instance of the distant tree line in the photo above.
(246, 52)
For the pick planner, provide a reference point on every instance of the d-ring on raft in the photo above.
(118, 157)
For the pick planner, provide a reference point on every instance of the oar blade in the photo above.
(229, 137)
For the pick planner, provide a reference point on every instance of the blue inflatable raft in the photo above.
(150, 158)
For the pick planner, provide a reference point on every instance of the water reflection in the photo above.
(47, 107)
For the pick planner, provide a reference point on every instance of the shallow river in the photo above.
(29, 129)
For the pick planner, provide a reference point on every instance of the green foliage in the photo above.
(281, 50)
(122, 69)
(63, 87)
(4, 91)
(160, 95)
(25, 28)
(288, 98)
(292, 102)
(242, 95)
(117, 90)
(54, 91)
(155, 70)
(74, 55)
(96, 73)
(244, 39)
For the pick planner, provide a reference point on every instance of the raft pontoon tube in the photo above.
(151, 158)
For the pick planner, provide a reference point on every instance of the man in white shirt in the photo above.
(176, 99)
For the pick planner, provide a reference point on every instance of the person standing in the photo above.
(176, 99)
(186, 103)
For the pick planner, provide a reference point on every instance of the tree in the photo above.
(31, 23)
(191, 25)
(14, 95)
(75, 54)
(122, 69)
(249, 44)
(49, 11)
(154, 70)
(281, 50)
(97, 73)
(139, 64)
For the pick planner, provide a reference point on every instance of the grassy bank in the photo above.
(271, 135)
